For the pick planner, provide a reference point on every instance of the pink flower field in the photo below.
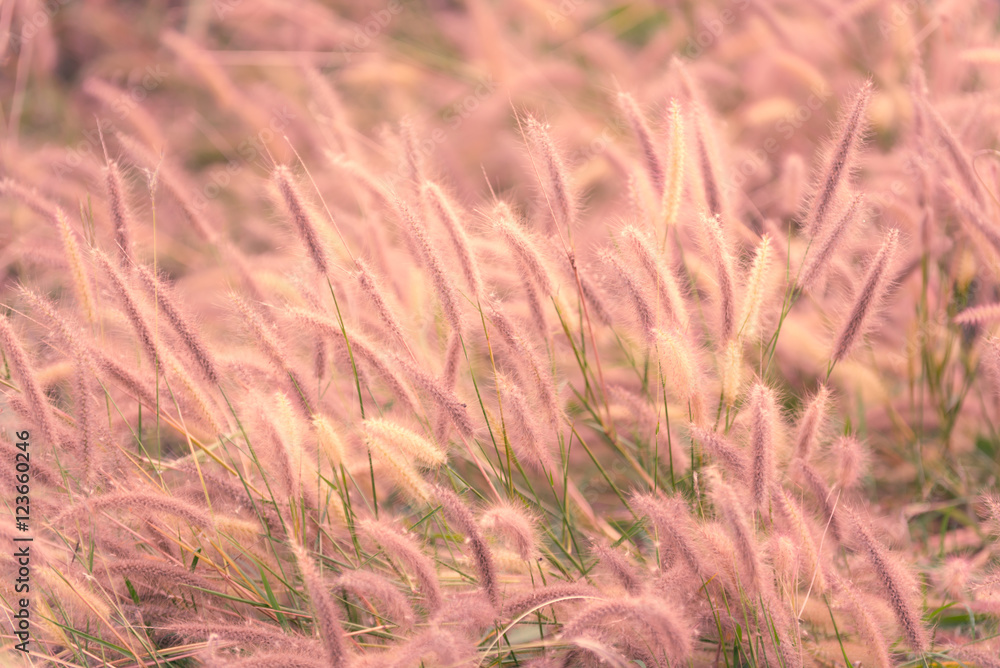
(481, 333)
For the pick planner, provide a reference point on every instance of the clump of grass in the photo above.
(254, 392)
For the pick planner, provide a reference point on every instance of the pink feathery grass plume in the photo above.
(674, 186)
(811, 423)
(401, 451)
(411, 445)
(811, 567)
(731, 372)
(708, 161)
(638, 201)
(647, 146)
(376, 293)
(27, 377)
(522, 247)
(850, 459)
(535, 368)
(270, 659)
(436, 646)
(763, 425)
(538, 318)
(954, 578)
(404, 474)
(782, 630)
(977, 653)
(253, 635)
(783, 556)
(140, 502)
(620, 567)
(163, 295)
(81, 278)
(755, 293)
(482, 557)
(897, 584)
(638, 298)
(595, 302)
(827, 501)
(520, 424)
(302, 217)
(329, 440)
(363, 350)
(728, 454)
(267, 338)
(730, 508)
(514, 525)
(41, 472)
(841, 160)
(446, 212)
(394, 606)
(280, 427)
(121, 215)
(399, 372)
(674, 525)
(28, 196)
(435, 388)
(431, 259)
(85, 373)
(821, 253)
(151, 575)
(113, 369)
(173, 183)
(555, 180)
(662, 626)
(126, 296)
(960, 160)
(541, 597)
(990, 362)
(452, 358)
(977, 224)
(403, 549)
(328, 620)
(871, 292)
(535, 275)
(978, 315)
(722, 259)
(662, 278)
(678, 365)
(991, 512)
